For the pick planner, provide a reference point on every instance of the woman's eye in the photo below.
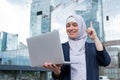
(75, 24)
(67, 25)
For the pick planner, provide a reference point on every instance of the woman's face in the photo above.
(72, 29)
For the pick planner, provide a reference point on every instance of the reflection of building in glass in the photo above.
(8, 41)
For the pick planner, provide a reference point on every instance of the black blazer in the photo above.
(94, 59)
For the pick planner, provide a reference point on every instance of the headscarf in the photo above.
(81, 25)
(77, 49)
(79, 42)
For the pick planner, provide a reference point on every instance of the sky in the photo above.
(15, 17)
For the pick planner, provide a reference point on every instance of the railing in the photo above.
(111, 43)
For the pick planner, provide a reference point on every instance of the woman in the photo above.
(88, 55)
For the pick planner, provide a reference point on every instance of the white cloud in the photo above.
(15, 19)
(60, 27)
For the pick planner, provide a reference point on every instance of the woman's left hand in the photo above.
(91, 32)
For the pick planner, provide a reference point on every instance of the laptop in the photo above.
(46, 48)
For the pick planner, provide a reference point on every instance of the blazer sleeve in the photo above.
(103, 57)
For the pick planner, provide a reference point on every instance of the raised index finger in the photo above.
(91, 24)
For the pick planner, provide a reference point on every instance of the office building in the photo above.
(8, 41)
(111, 19)
(40, 17)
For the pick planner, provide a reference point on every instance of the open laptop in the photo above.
(45, 48)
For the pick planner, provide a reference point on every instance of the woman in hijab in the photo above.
(88, 55)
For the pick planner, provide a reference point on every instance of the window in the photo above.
(107, 18)
(39, 13)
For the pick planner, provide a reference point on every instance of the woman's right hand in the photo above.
(55, 68)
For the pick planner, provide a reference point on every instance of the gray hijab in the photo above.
(81, 25)
(78, 44)
(77, 50)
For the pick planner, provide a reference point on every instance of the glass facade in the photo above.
(8, 41)
(40, 17)
(15, 57)
(111, 16)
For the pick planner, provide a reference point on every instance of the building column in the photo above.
(20, 74)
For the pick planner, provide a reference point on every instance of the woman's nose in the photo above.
(71, 27)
